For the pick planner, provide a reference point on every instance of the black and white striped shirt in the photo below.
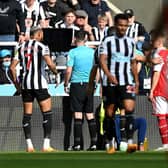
(30, 54)
(99, 34)
(31, 13)
(135, 30)
(62, 25)
(120, 52)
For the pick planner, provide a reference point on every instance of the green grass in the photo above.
(84, 160)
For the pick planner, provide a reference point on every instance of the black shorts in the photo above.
(116, 94)
(28, 95)
(79, 100)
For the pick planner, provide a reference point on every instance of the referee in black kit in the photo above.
(79, 64)
(34, 56)
(121, 79)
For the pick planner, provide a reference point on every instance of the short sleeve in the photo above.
(45, 51)
(103, 47)
(157, 67)
(70, 61)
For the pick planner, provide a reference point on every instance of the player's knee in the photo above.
(142, 120)
(78, 115)
(89, 116)
(110, 111)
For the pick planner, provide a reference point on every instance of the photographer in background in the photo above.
(5, 61)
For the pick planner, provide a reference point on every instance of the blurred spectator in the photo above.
(5, 61)
(145, 70)
(135, 30)
(94, 8)
(82, 23)
(74, 4)
(68, 21)
(31, 10)
(52, 11)
(100, 31)
(10, 15)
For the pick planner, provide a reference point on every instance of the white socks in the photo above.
(165, 145)
(130, 141)
(29, 143)
(46, 143)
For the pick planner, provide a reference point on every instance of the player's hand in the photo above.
(113, 79)
(66, 89)
(17, 93)
(151, 98)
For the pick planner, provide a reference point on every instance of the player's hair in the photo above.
(35, 29)
(80, 35)
(121, 16)
(161, 35)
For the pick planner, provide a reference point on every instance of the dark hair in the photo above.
(111, 31)
(34, 29)
(120, 16)
(69, 11)
(146, 46)
(80, 35)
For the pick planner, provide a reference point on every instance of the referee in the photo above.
(80, 62)
(121, 80)
(34, 56)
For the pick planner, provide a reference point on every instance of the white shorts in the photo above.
(160, 106)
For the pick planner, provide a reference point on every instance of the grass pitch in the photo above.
(84, 160)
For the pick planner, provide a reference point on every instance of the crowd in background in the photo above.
(95, 18)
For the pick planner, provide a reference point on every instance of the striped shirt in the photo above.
(31, 15)
(120, 52)
(99, 34)
(30, 54)
(63, 25)
(135, 30)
